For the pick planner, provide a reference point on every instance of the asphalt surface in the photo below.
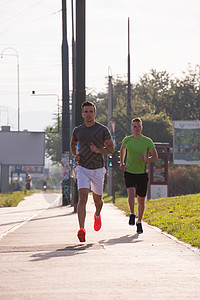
(41, 257)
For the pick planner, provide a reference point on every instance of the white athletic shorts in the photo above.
(87, 178)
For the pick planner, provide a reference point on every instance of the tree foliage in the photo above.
(179, 98)
(53, 140)
(158, 127)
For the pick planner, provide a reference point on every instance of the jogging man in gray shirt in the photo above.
(94, 141)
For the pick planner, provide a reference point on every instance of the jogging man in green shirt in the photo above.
(140, 151)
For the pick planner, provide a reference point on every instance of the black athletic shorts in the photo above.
(138, 181)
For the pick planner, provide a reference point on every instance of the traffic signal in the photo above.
(110, 164)
(114, 160)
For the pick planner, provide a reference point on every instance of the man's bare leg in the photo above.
(98, 201)
(141, 207)
(81, 208)
(131, 199)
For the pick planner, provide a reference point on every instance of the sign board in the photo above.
(159, 191)
(114, 141)
(186, 143)
(159, 170)
(28, 169)
(112, 125)
(22, 148)
(158, 173)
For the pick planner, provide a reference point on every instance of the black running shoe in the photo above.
(132, 219)
(139, 228)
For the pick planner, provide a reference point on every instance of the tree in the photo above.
(158, 127)
(153, 91)
(185, 96)
(53, 144)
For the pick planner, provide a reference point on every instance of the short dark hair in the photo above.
(136, 120)
(88, 103)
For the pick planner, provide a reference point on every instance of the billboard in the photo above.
(28, 169)
(186, 143)
(22, 148)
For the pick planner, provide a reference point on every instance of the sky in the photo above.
(164, 35)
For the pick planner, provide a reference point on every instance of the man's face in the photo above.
(88, 113)
(136, 128)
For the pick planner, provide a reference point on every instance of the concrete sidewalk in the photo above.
(43, 259)
(12, 218)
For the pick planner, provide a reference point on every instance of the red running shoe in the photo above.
(81, 235)
(97, 223)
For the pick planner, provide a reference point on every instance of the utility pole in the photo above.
(128, 122)
(110, 101)
(110, 110)
(80, 60)
(73, 185)
(73, 66)
(65, 111)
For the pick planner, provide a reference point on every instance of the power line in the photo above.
(6, 3)
(21, 14)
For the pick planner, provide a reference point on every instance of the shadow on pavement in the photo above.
(121, 240)
(66, 251)
(72, 250)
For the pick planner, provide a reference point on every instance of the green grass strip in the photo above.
(13, 199)
(178, 216)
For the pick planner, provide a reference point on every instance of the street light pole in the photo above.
(18, 94)
(73, 67)
(65, 111)
(80, 60)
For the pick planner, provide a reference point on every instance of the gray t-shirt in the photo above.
(96, 134)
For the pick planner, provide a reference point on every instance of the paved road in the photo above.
(12, 218)
(43, 259)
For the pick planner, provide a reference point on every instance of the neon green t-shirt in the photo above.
(135, 147)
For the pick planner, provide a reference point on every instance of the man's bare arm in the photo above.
(108, 149)
(122, 156)
(152, 157)
(74, 150)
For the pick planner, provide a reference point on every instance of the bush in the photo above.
(13, 199)
(184, 180)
